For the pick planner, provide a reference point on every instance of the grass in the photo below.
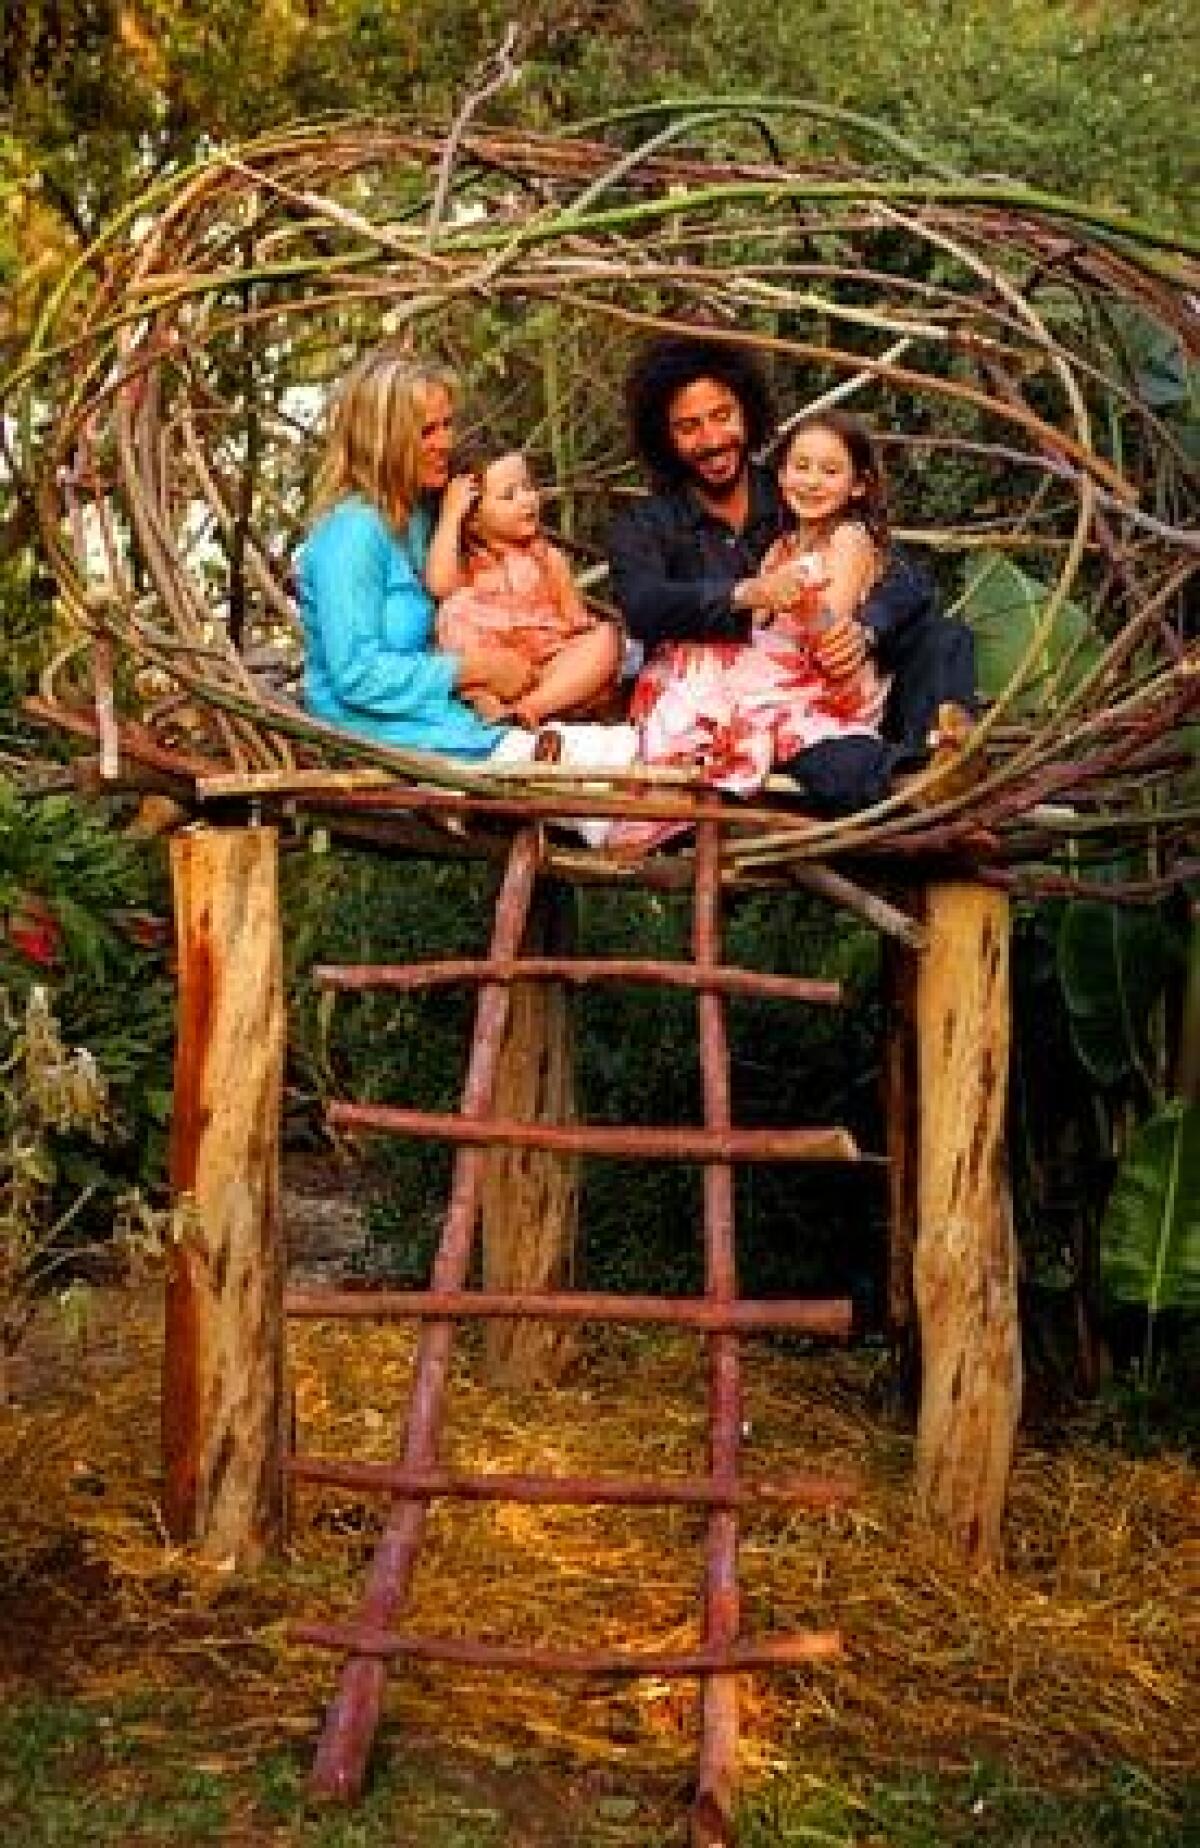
(987, 1807)
(73, 1773)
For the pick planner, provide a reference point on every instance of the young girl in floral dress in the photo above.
(502, 586)
(735, 710)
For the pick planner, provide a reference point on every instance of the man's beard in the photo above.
(717, 490)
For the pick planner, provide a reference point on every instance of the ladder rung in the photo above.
(578, 971)
(669, 1143)
(803, 1491)
(832, 1316)
(772, 1652)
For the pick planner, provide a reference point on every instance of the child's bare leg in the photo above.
(583, 667)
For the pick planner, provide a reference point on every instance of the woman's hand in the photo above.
(495, 672)
(461, 493)
(443, 564)
(841, 649)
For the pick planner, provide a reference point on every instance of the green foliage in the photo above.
(1160, 372)
(1094, 1138)
(48, 1093)
(800, 1229)
(1113, 965)
(26, 606)
(1151, 1231)
(1086, 98)
(988, 1807)
(1006, 609)
(1091, 100)
(95, 891)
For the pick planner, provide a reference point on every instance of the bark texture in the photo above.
(223, 1370)
(966, 1271)
(530, 1199)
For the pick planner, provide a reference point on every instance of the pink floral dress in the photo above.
(519, 598)
(733, 710)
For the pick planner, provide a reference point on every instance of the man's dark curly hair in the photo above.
(669, 366)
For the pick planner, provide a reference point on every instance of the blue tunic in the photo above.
(368, 627)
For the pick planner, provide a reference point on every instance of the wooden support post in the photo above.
(530, 1198)
(966, 1270)
(901, 1090)
(223, 1382)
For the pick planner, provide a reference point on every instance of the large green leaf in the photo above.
(1004, 606)
(1112, 964)
(1150, 1239)
(1156, 356)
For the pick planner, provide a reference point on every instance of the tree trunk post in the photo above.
(966, 1268)
(901, 1094)
(223, 1360)
(530, 1199)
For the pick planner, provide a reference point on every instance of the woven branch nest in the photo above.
(1000, 341)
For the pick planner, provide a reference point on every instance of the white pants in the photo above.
(585, 747)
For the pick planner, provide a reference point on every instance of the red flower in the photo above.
(34, 932)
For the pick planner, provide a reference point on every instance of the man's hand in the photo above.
(841, 649)
(771, 593)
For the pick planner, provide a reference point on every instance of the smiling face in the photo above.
(817, 477)
(708, 431)
(507, 510)
(436, 440)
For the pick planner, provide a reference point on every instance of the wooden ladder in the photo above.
(371, 1642)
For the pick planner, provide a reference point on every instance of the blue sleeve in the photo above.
(363, 613)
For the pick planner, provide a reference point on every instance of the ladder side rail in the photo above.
(354, 1712)
(712, 1807)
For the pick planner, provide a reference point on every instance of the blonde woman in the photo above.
(370, 662)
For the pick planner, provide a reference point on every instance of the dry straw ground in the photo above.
(1082, 1655)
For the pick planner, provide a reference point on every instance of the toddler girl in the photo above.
(501, 585)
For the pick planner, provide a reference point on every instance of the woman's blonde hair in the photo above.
(374, 442)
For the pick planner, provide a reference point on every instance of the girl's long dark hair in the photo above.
(871, 502)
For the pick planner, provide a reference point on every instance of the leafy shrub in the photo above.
(49, 1093)
(81, 916)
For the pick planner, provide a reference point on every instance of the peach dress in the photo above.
(521, 598)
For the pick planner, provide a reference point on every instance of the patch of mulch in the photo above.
(1081, 1654)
